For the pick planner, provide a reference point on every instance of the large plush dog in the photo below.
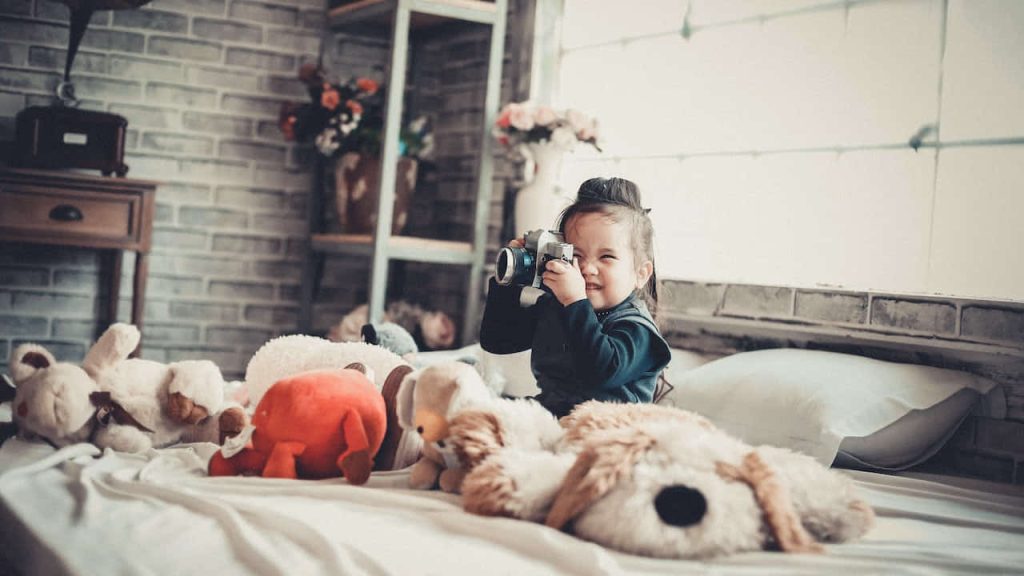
(657, 481)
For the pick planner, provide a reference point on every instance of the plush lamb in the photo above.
(658, 481)
(126, 404)
(286, 356)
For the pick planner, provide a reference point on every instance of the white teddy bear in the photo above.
(112, 401)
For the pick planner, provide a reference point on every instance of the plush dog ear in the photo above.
(405, 397)
(772, 497)
(475, 435)
(598, 468)
(28, 359)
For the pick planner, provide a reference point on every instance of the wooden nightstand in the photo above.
(70, 209)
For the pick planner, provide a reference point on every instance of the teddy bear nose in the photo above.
(419, 429)
(680, 505)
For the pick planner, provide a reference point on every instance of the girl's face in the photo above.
(604, 250)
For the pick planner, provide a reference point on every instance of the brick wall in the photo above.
(981, 337)
(200, 82)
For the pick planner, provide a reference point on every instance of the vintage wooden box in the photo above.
(62, 137)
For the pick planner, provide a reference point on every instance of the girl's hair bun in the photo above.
(612, 190)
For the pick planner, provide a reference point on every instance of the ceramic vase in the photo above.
(540, 202)
(356, 178)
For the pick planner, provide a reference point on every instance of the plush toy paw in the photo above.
(357, 466)
(516, 484)
(450, 480)
(182, 409)
(423, 475)
(230, 423)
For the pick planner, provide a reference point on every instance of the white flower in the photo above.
(520, 117)
(327, 142)
(544, 115)
(428, 146)
(418, 124)
(563, 137)
(588, 132)
(578, 120)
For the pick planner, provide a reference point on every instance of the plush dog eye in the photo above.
(680, 505)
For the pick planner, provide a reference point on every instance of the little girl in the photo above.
(593, 337)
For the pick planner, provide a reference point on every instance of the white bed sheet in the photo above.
(69, 512)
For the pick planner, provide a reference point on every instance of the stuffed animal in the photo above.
(392, 337)
(427, 399)
(286, 356)
(315, 424)
(658, 481)
(126, 404)
(431, 329)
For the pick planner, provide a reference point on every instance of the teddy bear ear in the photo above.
(405, 399)
(28, 359)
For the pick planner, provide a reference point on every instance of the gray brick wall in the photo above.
(985, 338)
(201, 82)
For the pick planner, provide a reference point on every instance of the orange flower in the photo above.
(354, 106)
(288, 128)
(504, 119)
(366, 85)
(330, 98)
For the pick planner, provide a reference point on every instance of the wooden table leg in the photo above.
(113, 272)
(139, 294)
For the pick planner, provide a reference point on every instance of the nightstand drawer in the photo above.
(67, 214)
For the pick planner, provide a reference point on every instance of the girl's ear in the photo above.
(643, 273)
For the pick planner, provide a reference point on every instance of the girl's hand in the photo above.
(516, 243)
(565, 281)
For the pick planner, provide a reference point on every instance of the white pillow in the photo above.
(812, 401)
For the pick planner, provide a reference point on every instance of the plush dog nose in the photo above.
(680, 505)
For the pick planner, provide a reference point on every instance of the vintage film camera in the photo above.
(525, 266)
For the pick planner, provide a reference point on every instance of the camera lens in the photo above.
(513, 266)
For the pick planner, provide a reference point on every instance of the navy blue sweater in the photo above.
(578, 354)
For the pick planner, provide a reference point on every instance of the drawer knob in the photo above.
(66, 213)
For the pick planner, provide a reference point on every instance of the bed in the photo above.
(76, 511)
(79, 511)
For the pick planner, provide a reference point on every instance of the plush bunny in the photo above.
(126, 404)
(658, 481)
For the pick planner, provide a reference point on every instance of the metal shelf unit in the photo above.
(400, 17)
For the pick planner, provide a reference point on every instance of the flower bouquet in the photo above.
(522, 123)
(543, 135)
(345, 121)
(348, 117)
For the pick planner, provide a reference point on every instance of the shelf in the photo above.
(398, 247)
(425, 13)
(398, 21)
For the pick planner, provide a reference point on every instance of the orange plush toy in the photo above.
(317, 424)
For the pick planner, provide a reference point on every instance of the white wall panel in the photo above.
(789, 219)
(597, 21)
(978, 246)
(983, 79)
(700, 123)
(710, 12)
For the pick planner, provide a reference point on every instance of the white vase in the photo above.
(540, 202)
